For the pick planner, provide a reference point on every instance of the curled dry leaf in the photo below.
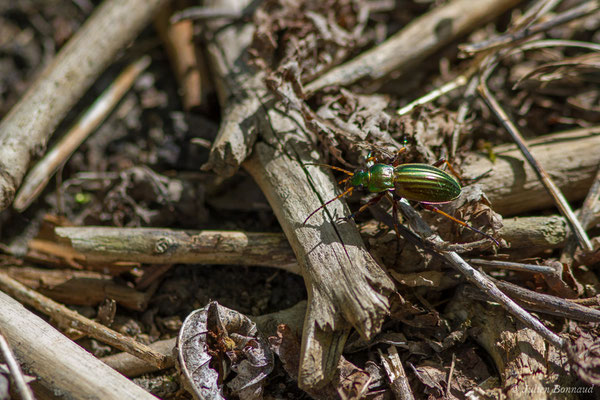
(214, 341)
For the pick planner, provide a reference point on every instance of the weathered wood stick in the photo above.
(240, 90)
(61, 364)
(421, 38)
(29, 124)
(86, 288)
(77, 321)
(513, 187)
(133, 366)
(108, 245)
(178, 39)
(98, 244)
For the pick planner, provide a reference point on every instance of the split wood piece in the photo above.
(519, 353)
(39, 176)
(133, 366)
(241, 90)
(395, 372)
(61, 364)
(548, 183)
(345, 285)
(30, 123)
(72, 319)
(164, 246)
(267, 324)
(58, 255)
(421, 38)
(535, 233)
(513, 188)
(178, 39)
(84, 288)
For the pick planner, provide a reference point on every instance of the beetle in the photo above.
(423, 183)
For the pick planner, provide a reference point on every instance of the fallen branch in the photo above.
(76, 321)
(96, 244)
(421, 38)
(86, 288)
(31, 122)
(474, 276)
(513, 187)
(63, 366)
(100, 245)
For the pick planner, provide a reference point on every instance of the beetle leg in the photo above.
(443, 161)
(368, 204)
(458, 221)
(396, 160)
(348, 191)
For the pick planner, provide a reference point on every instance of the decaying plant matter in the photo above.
(286, 102)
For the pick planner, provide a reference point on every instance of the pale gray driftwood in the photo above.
(421, 38)
(97, 244)
(25, 130)
(60, 364)
(512, 186)
(240, 90)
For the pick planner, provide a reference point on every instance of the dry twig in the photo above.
(552, 189)
(74, 320)
(167, 246)
(38, 177)
(16, 373)
(421, 38)
(473, 276)
(29, 124)
(178, 38)
(62, 365)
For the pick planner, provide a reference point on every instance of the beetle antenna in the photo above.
(347, 191)
(334, 168)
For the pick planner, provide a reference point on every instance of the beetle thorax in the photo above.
(381, 178)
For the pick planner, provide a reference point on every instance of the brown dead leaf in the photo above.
(584, 351)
